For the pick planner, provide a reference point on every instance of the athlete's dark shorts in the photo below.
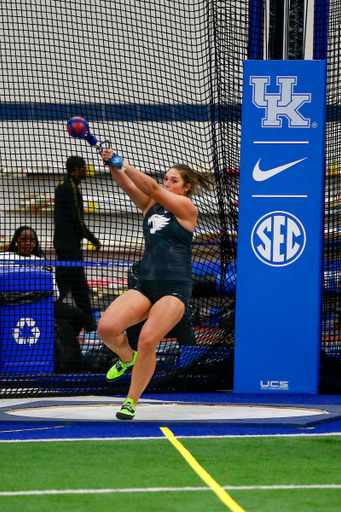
(155, 290)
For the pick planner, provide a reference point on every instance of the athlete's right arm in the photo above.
(140, 199)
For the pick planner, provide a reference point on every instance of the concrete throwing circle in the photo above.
(166, 412)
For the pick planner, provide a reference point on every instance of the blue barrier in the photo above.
(26, 321)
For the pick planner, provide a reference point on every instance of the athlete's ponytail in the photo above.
(198, 180)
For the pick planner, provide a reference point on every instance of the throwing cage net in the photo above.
(162, 82)
(329, 15)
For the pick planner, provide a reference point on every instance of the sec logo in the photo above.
(278, 239)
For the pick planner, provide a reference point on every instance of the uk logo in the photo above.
(282, 104)
(278, 239)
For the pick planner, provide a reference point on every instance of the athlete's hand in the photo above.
(107, 154)
(110, 158)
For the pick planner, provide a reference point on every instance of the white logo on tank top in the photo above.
(157, 223)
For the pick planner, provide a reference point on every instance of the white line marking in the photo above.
(279, 487)
(278, 195)
(80, 439)
(168, 489)
(231, 436)
(281, 141)
(103, 491)
(227, 436)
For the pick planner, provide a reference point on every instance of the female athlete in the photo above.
(164, 284)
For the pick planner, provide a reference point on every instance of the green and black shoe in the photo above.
(127, 411)
(119, 369)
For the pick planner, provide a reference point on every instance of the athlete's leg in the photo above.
(128, 309)
(163, 316)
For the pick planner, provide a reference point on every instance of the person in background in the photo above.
(25, 243)
(69, 320)
(69, 231)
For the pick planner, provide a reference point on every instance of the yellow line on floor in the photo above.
(222, 495)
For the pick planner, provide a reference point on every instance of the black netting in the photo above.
(296, 29)
(162, 81)
(329, 16)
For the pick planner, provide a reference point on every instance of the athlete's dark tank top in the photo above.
(167, 253)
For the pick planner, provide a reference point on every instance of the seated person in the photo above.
(25, 244)
(69, 320)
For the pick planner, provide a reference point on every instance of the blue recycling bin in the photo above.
(26, 321)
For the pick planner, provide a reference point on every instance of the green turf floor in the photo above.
(146, 464)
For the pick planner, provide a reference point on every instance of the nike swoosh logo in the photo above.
(259, 175)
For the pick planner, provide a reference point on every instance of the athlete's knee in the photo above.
(147, 345)
(106, 329)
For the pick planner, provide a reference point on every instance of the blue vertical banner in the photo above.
(280, 228)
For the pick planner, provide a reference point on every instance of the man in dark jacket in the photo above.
(70, 230)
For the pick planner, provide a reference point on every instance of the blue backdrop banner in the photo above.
(280, 229)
